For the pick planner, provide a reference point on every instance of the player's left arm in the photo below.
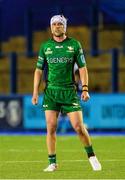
(84, 80)
(80, 60)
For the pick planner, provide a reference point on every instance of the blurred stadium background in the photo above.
(100, 27)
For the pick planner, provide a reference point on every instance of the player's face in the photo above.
(57, 29)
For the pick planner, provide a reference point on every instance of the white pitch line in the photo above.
(68, 161)
(29, 150)
(60, 179)
(41, 150)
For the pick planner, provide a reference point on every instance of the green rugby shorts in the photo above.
(64, 101)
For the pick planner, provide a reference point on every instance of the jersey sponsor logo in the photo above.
(58, 47)
(82, 58)
(59, 60)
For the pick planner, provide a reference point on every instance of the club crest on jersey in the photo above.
(70, 49)
(48, 51)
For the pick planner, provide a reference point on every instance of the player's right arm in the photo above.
(38, 75)
(36, 84)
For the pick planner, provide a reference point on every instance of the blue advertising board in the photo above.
(104, 111)
(34, 117)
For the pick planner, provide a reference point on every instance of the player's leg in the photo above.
(51, 122)
(77, 123)
(51, 109)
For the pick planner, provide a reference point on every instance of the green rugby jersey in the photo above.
(60, 58)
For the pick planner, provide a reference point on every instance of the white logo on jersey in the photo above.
(81, 51)
(82, 58)
(40, 58)
(75, 104)
(70, 49)
(59, 47)
(45, 105)
(48, 51)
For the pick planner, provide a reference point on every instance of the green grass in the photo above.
(25, 157)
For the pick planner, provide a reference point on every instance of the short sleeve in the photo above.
(41, 59)
(80, 58)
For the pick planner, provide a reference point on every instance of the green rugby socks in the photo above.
(52, 158)
(90, 151)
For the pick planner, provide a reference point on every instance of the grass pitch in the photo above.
(25, 157)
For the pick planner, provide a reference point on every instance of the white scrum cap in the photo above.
(59, 18)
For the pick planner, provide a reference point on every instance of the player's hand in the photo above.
(35, 99)
(85, 96)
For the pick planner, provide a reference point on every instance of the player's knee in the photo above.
(78, 128)
(51, 129)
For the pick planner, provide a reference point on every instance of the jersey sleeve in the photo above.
(80, 58)
(41, 59)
